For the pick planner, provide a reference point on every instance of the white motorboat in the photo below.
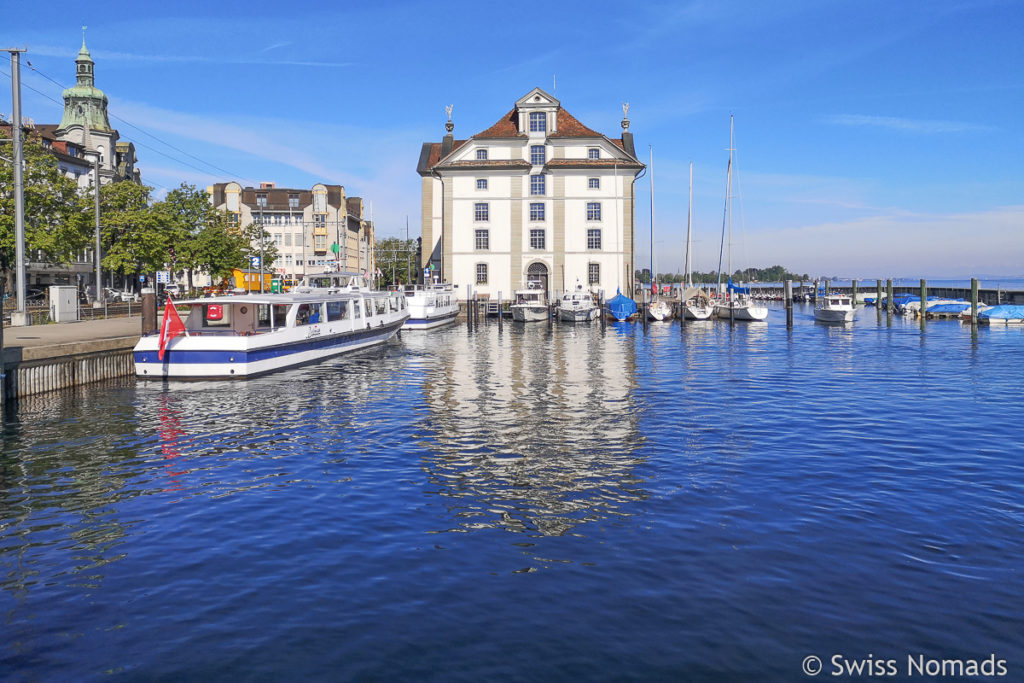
(578, 306)
(430, 305)
(228, 337)
(737, 304)
(659, 310)
(834, 308)
(531, 305)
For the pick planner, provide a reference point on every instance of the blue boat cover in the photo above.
(948, 308)
(737, 288)
(1003, 312)
(621, 307)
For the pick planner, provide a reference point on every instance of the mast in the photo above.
(728, 199)
(689, 227)
(652, 214)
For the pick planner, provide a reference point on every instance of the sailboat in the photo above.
(737, 304)
(658, 309)
(696, 304)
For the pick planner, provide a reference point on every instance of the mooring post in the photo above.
(789, 303)
(853, 294)
(888, 297)
(974, 301)
(878, 299)
(600, 306)
(469, 296)
(499, 312)
(824, 290)
(149, 324)
(924, 301)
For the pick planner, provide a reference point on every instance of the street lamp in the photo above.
(97, 301)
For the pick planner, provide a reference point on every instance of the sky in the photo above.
(873, 139)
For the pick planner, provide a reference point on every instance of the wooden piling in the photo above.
(924, 302)
(878, 299)
(500, 316)
(600, 304)
(789, 303)
(888, 296)
(974, 301)
(469, 298)
(853, 294)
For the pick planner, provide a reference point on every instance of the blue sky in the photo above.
(874, 138)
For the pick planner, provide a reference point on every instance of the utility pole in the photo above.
(20, 316)
(98, 300)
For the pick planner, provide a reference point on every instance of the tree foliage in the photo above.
(199, 240)
(397, 259)
(770, 274)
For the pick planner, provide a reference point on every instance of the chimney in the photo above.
(266, 186)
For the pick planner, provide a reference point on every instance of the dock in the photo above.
(40, 358)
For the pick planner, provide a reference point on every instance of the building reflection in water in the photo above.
(534, 429)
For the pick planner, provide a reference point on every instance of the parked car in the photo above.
(114, 295)
(172, 290)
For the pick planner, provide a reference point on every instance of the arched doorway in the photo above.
(537, 276)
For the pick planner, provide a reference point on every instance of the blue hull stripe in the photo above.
(256, 355)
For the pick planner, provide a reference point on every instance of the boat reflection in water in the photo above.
(513, 437)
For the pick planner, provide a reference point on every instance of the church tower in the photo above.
(85, 120)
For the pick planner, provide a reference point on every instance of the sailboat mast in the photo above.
(689, 228)
(652, 213)
(728, 196)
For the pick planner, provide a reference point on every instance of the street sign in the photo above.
(162, 276)
(254, 261)
(335, 248)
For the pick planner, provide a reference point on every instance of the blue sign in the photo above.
(254, 261)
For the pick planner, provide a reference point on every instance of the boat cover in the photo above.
(621, 307)
(737, 288)
(1003, 312)
(949, 308)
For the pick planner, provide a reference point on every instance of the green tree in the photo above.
(397, 259)
(134, 235)
(199, 238)
(57, 216)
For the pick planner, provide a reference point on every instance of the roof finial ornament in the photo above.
(625, 116)
(449, 126)
(83, 35)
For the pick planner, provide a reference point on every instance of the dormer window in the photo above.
(538, 122)
(481, 155)
(594, 153)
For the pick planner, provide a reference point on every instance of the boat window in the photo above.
(307, 314)
(369, 307)
(382, 306)
(334, 310)
(356, 309)
(281, 315)
(216, 315)
(262, 315)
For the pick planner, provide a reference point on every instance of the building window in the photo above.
(594, 153)
(538, 122)
(293, 201)
(287, 239)
(593, 238)
(481, 155)
(593, 273)
(537, 238)
(483, 240)
(481, 211)
(481, 273)
(593, 211)
(537, 185)
(537, 211)
(481, 183)
(319, 242)
(537, 155)
(594, 183)
(319, 220)
(278, 239)
(261, 199)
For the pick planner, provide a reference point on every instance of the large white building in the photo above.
(536, 198)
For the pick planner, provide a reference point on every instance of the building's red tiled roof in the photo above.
(435, 152)
(570, 127)
(489, 163)
(506, 127)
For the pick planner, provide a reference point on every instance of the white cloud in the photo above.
(908, 125)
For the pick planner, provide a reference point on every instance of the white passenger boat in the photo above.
(578, 306)
(227, 337)
(834, 308)
(430, 305)
(530, 305)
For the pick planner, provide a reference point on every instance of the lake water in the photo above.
(698, 502)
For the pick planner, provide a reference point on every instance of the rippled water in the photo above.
(691, 502)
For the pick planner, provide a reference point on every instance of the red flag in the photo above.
(171, 327)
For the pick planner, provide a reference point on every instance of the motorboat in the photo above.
(620, 307)
(834, 308)
(578, 306)
(430, 305)
(530, 305)
(228, 337)
(1003, 314)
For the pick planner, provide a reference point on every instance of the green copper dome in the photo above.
(85, 104)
